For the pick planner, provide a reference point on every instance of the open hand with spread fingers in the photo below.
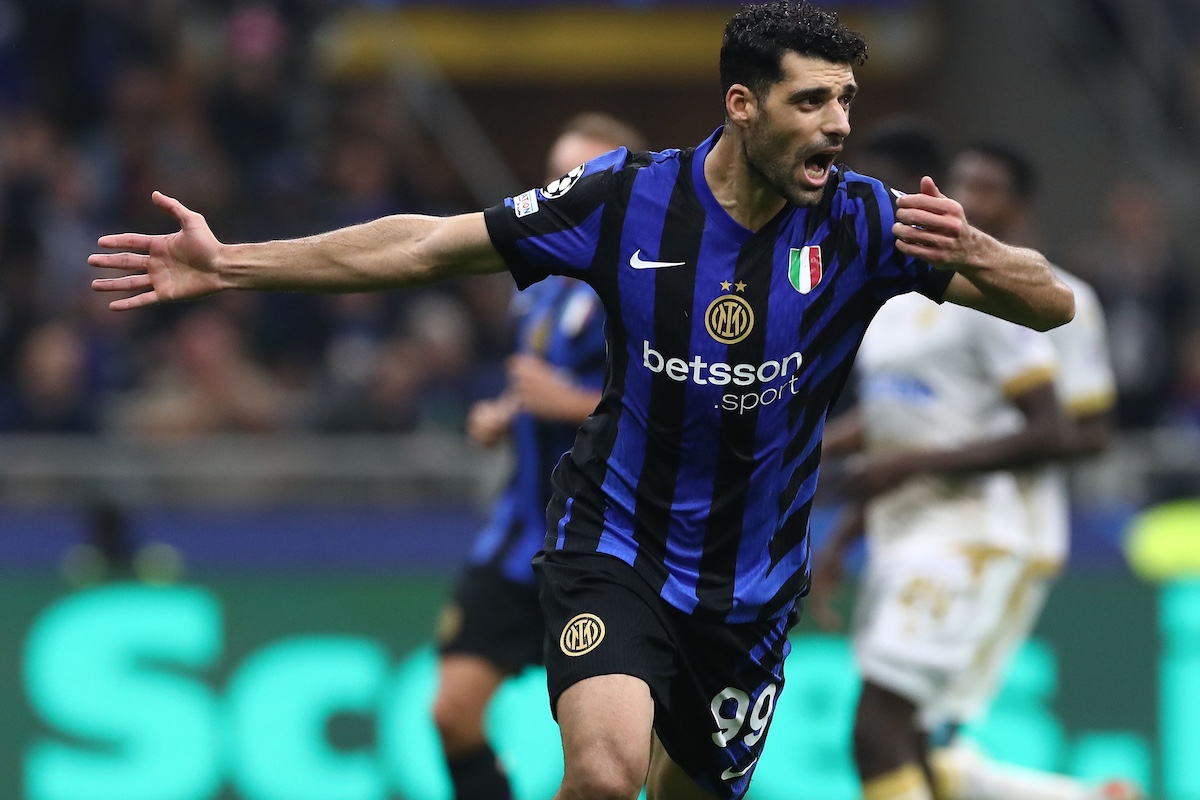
(168, 267)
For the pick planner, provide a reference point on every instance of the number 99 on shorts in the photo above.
(729, 710)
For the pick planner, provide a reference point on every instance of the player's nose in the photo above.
(837, 121)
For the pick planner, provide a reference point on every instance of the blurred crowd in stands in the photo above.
(217, 103)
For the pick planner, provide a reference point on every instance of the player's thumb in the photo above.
(930, 188)
(173, 207)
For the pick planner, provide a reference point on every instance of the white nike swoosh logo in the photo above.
(731, 773)
(637, 262)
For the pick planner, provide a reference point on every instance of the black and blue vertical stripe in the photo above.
(700, 465)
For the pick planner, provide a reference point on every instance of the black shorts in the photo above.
(714, 684)
(494, 617)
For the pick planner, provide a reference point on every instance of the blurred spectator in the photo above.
(51, 393)
(120, 145)
(487, 298)
(249, 106)
(205, 384)
(67, 231)
(358, 325)
(27, 155)
(184, 155)
(1143, 286)
(443, 332)
(387, 400)
(361, 175)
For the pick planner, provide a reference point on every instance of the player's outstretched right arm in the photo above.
(388, 252)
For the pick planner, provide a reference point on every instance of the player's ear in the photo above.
(741, 105)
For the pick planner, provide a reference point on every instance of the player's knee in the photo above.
(603, 777)
(459, 729)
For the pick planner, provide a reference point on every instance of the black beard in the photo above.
(786, 188)
(783, 183)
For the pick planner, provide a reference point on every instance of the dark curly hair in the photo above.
(758, 36)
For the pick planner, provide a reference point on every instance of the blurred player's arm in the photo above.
(1092, 434)
(1012, 283)
(844, 434)
(547, 393)
(1046, 435)
(389, 252)
(829, 566)
(489, 421)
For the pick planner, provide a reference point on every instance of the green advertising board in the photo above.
(312, 687)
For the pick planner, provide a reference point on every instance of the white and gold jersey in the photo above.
(948, 564)
(937, 377)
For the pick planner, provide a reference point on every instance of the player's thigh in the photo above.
(608, 644)
(606, 722)
(668, 781)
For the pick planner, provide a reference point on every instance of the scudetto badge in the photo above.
(581, 635)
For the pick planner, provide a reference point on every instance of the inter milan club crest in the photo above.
(804, 268)
(581, 635)
(729, 318)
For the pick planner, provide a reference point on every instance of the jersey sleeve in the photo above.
(555, 230)
(892, 272)
(1085, 380)
(1015, 358)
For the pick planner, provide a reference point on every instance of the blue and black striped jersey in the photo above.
(560, 321)
(726, 348)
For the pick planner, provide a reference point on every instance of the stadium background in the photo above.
(202, 605)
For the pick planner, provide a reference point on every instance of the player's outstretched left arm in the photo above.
(389, 252)
(1013, 283)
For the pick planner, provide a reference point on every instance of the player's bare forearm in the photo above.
(1013, 283)
(1045, 436)
(385, 253)
(390, 252)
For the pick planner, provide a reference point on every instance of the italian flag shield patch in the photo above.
(804, 269)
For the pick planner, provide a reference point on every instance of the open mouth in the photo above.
(816, 167)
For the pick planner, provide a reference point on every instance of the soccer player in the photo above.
(968, 523)
(493, 628)
(996, 184)
(737, 278)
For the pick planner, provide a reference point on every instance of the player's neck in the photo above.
(740, 190)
